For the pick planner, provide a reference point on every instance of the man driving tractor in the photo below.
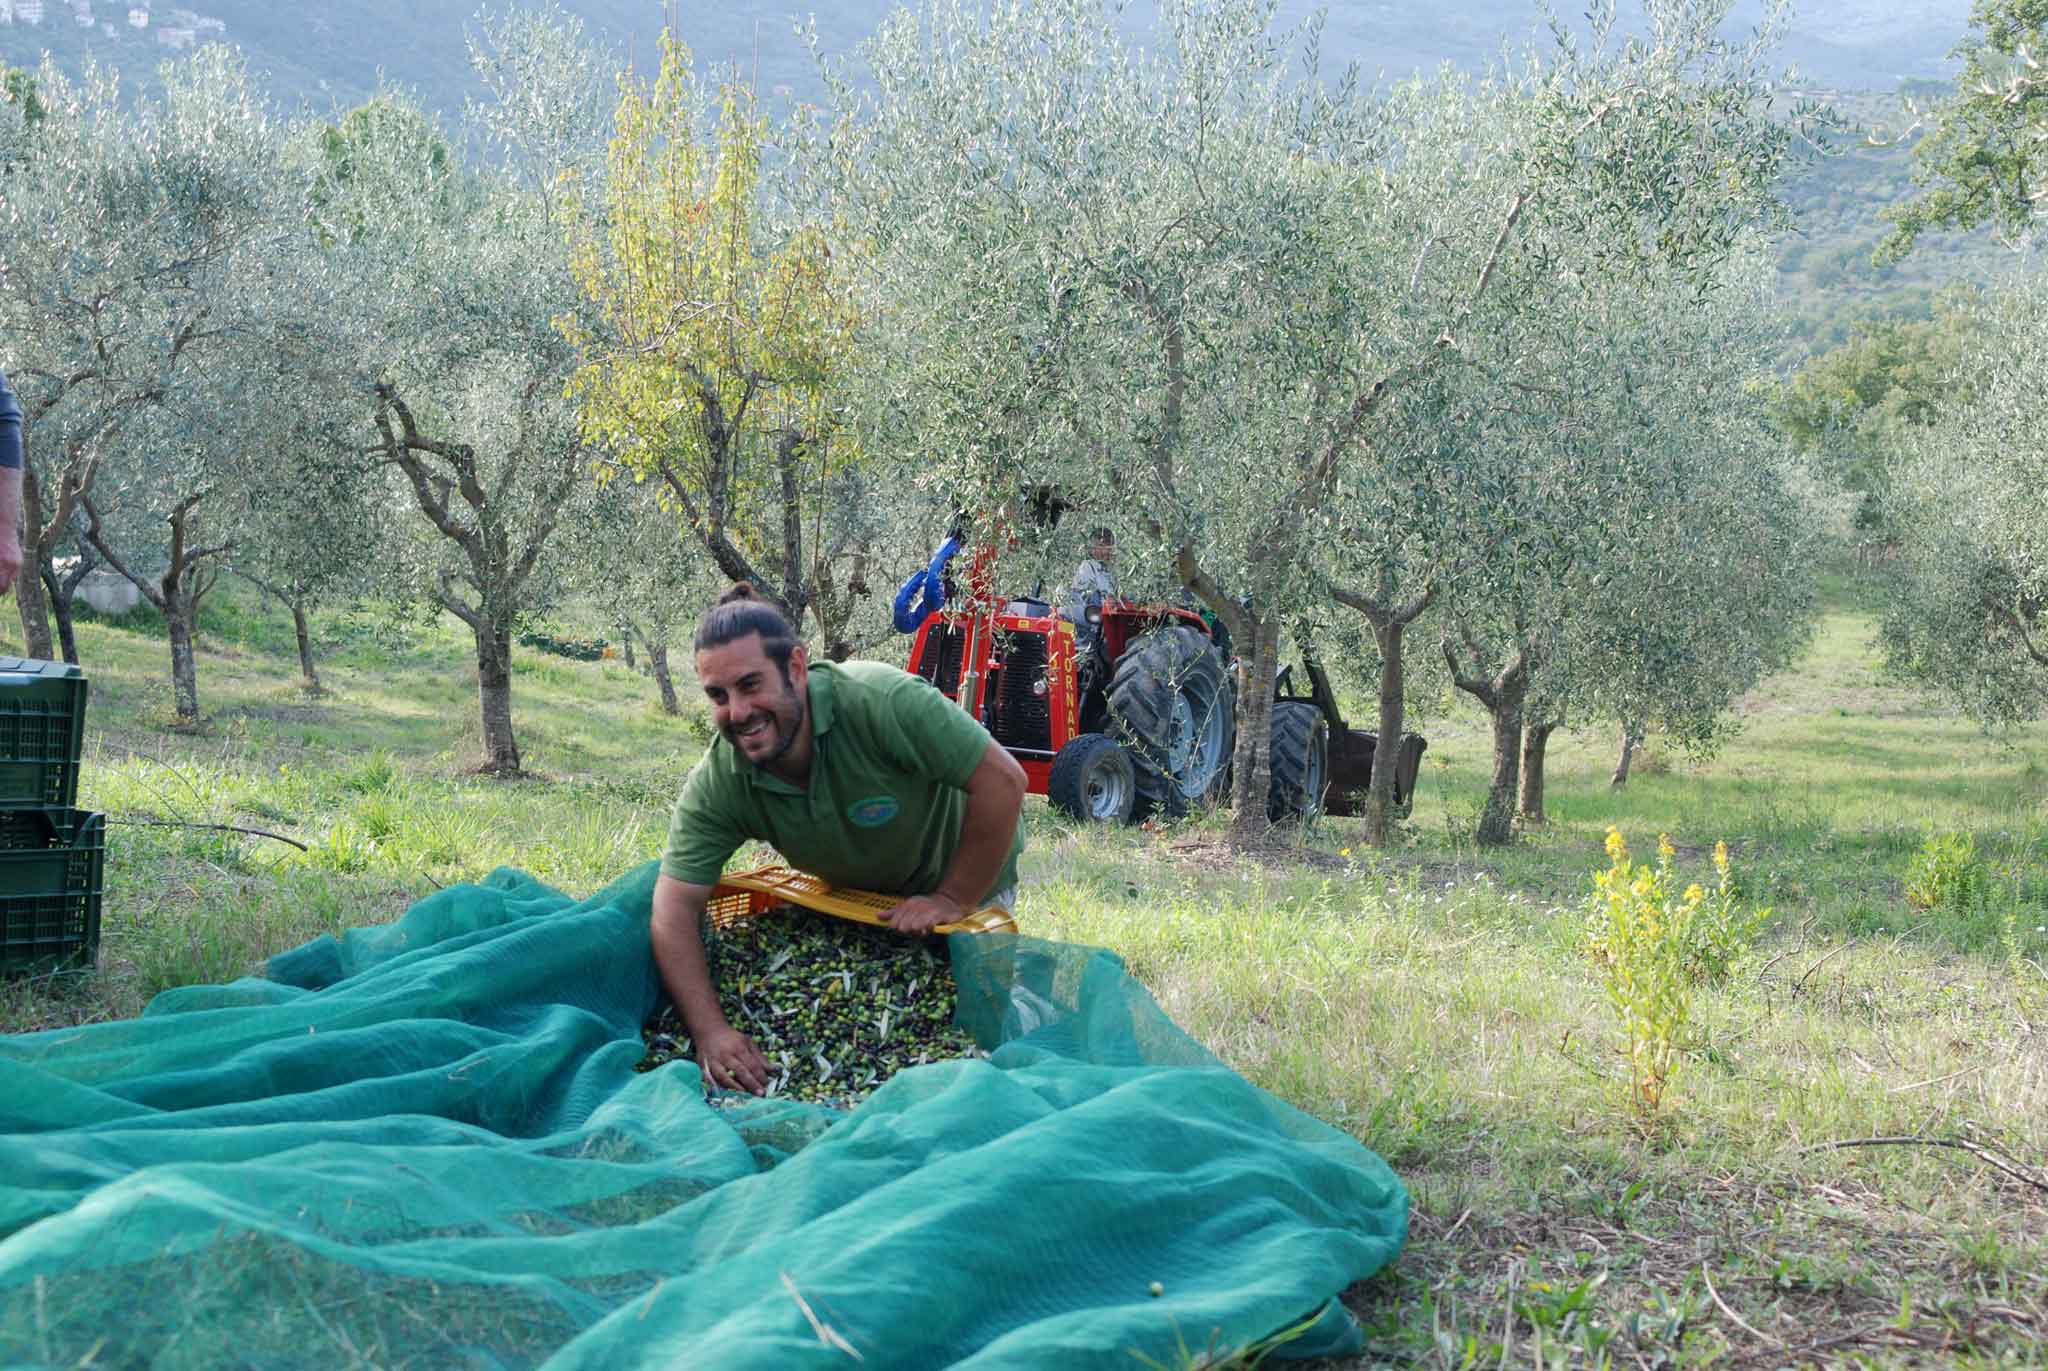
(1093, 577)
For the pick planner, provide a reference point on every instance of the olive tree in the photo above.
(1505, 613)
(187, 557)
(314, 523)
(131, 218)
(240, 466)
(629, 558)
(1182, 280)
(1984, 159)
(1967, 610)
(448, 287)
(1638, 480)
(711, 365)
(1704, 577)
(1846, 410)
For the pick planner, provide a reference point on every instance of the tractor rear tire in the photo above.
(1170, 706)
(1093, 779)
(1300, 760)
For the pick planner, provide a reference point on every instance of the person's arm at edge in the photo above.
(10, 527)
(10, 486)
(995, 804)
(725, 1056)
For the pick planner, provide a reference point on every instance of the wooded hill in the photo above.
(328, 52)
(329, 56)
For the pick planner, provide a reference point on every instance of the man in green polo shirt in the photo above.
(857, 773)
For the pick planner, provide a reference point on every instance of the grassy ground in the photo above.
(1435, 1001)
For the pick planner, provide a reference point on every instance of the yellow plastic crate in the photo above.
(744, 894)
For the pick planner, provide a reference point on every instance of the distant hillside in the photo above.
(328, 52)
(1826, 276)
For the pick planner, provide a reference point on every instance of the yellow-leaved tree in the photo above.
(713, 371)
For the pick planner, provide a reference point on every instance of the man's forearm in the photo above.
(10, 528)
(677, 933)
(995, 802)
(10, 504)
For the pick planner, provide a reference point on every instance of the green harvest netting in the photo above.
(425, 1145)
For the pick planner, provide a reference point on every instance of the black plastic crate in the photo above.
(42, 732)
(50, 892)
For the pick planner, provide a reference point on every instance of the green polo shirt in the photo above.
(887, 794)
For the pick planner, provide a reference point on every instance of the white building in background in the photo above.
(6, 11)
(81, 10)
(29, 11)
(138, 17)
(182, 28)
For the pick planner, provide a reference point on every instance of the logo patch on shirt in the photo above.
(874, 811)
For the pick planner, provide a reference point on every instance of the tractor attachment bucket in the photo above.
(1349, 773)
(1351, 754)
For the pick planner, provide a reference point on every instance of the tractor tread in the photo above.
(1301, 748)
(1067, 784)
(1141, 691)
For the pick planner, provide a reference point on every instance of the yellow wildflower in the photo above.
(1617, 850)
(1664, 848)
(1693, 893)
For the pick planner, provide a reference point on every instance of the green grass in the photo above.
(1433, 1000)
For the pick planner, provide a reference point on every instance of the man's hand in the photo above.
(727, 1059)
(730, 1061)
(920, 914)
(995, 798)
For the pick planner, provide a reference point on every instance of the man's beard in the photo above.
(786, 720)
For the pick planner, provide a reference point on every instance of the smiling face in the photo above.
(761, 713)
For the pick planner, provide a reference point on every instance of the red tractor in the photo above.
(1131, 712)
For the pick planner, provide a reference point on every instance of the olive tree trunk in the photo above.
(1631, 742)
(1255, 632)
(59, 598)
(494, 696)
(176, 596)
(1505, 695)
(1251, 786)
(309, 675)
(29, 598)
(657, 659)
(62, 593)
(178, 622)
(1497, 820)
(1389, 622)
(833, 606)
(708, 501)
(291, 597)
(1535, 745)
(77, 465)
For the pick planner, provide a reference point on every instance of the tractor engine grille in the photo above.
(944, 647)
(1023, 717)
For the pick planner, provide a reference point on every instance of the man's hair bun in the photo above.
(742, 611)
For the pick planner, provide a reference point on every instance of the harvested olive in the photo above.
(836, 1007)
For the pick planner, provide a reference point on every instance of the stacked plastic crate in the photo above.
(52, 854)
